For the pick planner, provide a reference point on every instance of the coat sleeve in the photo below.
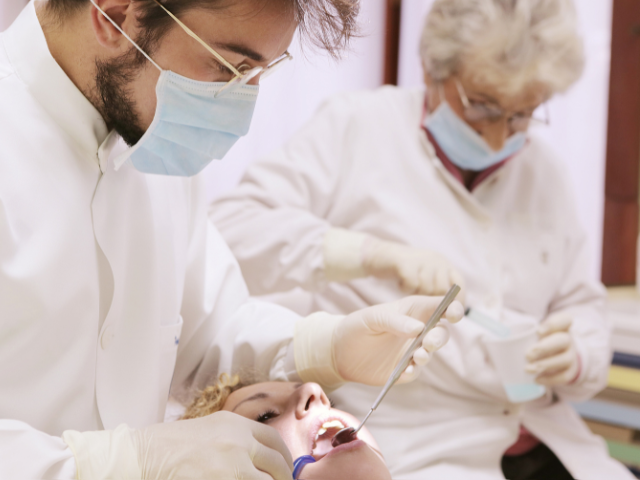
(583, 298)
(28, 453)
(275, 220)
(224, 330)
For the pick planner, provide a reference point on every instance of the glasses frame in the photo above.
(244, 73)
(511, 117)
(247, 73)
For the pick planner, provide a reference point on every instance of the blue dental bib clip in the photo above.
(300, 463)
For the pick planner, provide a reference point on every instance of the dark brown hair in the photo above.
(326, 24)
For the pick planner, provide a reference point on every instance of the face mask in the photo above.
(463, 145)
(191, 126)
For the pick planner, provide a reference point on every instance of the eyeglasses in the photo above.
(475, 111)
(244, 73)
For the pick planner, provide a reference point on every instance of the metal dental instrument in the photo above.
(348, 434)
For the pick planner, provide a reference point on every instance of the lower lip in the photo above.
(345, 447)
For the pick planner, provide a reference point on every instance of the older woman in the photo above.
(354, 208)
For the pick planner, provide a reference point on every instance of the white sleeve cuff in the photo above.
(29, 453)
(104, 455)
(313, 350)
(342, 252)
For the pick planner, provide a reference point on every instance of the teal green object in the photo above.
(523, 392)
(488, 323)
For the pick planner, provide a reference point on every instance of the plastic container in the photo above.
(508, 356)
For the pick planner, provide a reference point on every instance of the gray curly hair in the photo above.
(504, 43)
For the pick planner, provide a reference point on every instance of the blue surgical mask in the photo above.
(191, 126)
(463, 145)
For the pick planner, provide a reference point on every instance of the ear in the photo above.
(428, 80)
(122, 13)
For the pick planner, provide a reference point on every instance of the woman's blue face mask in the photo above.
(192, 125)
(462, 144)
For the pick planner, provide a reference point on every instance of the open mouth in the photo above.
(322, 442)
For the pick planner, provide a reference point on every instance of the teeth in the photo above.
(332, 424)
(327, 425)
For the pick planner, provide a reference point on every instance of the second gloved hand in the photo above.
(554, 359)
(366, 346)
(349, 255)
(221, 445)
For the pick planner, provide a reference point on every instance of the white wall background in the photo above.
(9, 9)
(578, 118)
(289, 97)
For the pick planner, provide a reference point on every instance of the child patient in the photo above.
(302, 414)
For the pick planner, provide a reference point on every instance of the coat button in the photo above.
(107, 337)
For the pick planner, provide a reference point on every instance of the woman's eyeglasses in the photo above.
(475, 111)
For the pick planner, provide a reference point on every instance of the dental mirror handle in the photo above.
(406, 359)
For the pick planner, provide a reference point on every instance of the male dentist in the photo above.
(114, 288)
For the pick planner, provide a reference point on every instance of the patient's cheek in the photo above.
(294, 440)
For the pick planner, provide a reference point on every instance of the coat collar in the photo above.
(29, 55)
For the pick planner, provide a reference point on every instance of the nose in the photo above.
(496, 133)
(310, 396)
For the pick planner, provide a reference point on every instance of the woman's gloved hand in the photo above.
(349, 255)
(365, 346)
(221, 445)
(554, 359)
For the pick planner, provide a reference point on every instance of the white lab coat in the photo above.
(108, 279)
(364, 163)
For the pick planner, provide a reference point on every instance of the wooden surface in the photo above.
(623, 147)
(392, 42)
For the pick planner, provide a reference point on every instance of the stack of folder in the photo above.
(614, 414)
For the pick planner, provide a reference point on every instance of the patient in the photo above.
(303, 416)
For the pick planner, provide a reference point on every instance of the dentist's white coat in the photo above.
(108, 279)
(364, 163)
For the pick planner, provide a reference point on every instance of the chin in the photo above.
(350, 461)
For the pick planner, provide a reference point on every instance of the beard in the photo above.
(113, 97)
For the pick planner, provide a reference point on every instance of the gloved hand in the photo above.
(349, 255)
(554, 359)
(221, 445)
(365, 346)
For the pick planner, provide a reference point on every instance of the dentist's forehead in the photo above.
(259, 34)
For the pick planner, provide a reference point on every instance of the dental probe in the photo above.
(348, 434)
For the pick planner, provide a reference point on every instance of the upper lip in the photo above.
(318, 425)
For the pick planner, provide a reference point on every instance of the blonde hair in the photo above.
(508, 44)
(213, 397)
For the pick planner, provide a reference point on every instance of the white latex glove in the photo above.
(221, 445)
(365, 346)
(350, 255)
(554, 359)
